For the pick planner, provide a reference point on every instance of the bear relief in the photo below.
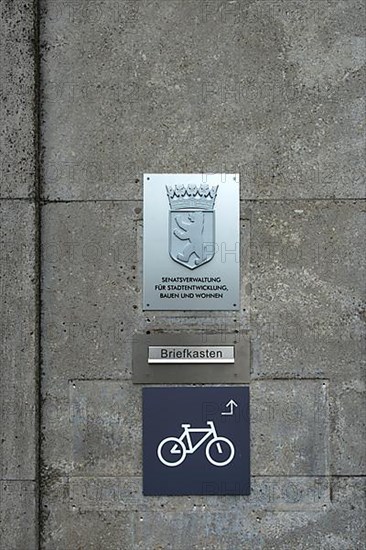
(191, 229)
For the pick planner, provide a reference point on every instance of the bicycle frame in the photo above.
(183, 445)
(187, 436)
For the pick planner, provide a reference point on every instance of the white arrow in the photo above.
(230, 404)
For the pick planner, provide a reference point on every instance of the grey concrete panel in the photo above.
(293, 512)
(91, 289)
(64, 527)
(289, 434)
(341, 525)
(17, 93)
(17, 339)
(18, 519)
(337, 525)
(289, 428)
(267, 493)
(123, 96)
(307, 289)
(106, 424)
(91, 283)
(268, 89)
(348, 436)
(214, 530)
(92, 428)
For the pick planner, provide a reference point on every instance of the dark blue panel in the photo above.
(211, 462)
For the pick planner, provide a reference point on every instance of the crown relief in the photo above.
(192, 196)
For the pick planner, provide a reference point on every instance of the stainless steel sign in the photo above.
(191, 354)
(191, 358)
(191, 242)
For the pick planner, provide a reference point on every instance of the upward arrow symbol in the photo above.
(231, 404)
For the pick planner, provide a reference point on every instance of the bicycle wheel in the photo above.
(174, 448)
(228, 452)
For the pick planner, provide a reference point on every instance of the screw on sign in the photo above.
(191, 242)
(194, 437)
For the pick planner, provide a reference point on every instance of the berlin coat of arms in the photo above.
(192, 224)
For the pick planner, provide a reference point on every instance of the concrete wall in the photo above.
(270, 89)
(18, 277)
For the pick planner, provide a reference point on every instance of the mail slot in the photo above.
(191, 354)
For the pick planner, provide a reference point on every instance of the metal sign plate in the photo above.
(196, 441)
(149, 367)
(191, 354)
(191, 242)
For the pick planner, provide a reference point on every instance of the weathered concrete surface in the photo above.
(285, 494)
(307, 279)
(91, 286)
(289, 428)
(348, 437)
(18, 521)
(17, 336)
(307, 276)
(18, 437)
(269, 89)
(281, 513)
(272, 90)
(17, 97)
(92, 413)
(247, 527)
(18, 314)
(105, 426)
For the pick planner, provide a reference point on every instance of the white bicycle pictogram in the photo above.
(177, 447)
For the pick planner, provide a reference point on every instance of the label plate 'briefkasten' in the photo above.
(191, 242)
(191, 358)
(161, 355)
